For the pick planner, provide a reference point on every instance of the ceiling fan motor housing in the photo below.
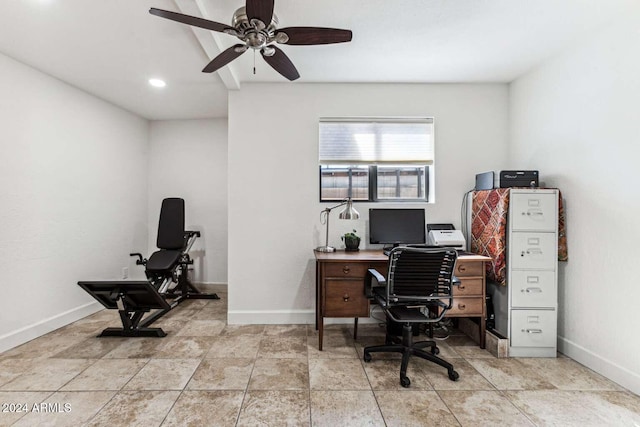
(254, 33)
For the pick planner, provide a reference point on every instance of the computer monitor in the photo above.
(395, 227)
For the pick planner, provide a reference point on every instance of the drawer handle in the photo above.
(532, 331)
(346, 269)
(346, 297)
(532, 290)
(533, 251)
(462, 268)
(462, 306)
(461, 287)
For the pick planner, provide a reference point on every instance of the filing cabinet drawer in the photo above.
(354, 270)
(468, 287)
(533, 211)
(533, 328)
(345, 298)
(468, 268)
(529, 250)
(533, 288)
(466, 307)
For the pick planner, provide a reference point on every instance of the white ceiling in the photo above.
(110, 48)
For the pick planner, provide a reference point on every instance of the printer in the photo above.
(447, 238)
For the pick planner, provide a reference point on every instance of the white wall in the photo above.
(576, 119)
(73, 184)
(273, 177)
(188, 159)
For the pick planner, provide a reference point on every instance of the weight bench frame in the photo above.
(169, 265)
(132, 299)
(184, 289)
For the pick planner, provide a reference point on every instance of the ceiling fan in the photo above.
(257, 27)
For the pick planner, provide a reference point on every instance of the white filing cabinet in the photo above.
(532, 272)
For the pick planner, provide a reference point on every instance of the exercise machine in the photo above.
(167, 285)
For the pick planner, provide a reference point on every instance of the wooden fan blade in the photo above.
(223, 59)
(315, 35)
(260, 9)
(281, 63)
(190, 20)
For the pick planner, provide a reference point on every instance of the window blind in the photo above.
(376, 141)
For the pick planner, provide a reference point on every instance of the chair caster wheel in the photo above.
(405, 382)
(435, 350)
(453, 375)
(367, 357)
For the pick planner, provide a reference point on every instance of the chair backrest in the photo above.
(171, 224)
(420, 274)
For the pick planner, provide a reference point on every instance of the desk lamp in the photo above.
(348, 213)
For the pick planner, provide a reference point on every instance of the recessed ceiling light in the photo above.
(157, 83)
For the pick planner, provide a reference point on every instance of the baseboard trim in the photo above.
(28, 333)
(619, 374)
(211, 283)
(284, 317)
(270, 317)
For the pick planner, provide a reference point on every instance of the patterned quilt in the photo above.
(489, 230)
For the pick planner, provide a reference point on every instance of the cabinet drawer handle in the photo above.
(346, 269)
(462, 268)
(346, 297)
(461, 287)
(532, 331)
(462, 306)
(532, 290)
(531, 251)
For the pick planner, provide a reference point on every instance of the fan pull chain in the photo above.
(254, 62)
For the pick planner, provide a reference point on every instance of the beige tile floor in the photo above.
(207, 373)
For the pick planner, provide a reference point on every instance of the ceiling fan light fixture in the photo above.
(268, 51)
(258, 24)
(256, 40)
(281, 37)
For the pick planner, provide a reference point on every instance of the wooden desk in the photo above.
(340, 287)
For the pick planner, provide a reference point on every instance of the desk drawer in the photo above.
(352, 269)
(468, 287)
(345, 298)
(466, 307)
(468, 268)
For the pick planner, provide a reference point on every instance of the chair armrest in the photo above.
(382, 281)
(372, 276)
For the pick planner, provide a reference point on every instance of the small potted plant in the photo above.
(351, 241)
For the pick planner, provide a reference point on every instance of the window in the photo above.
(376, 159)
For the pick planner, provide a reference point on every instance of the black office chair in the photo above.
(169, 265)
(418, 290)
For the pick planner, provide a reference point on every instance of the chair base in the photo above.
(408, 348)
